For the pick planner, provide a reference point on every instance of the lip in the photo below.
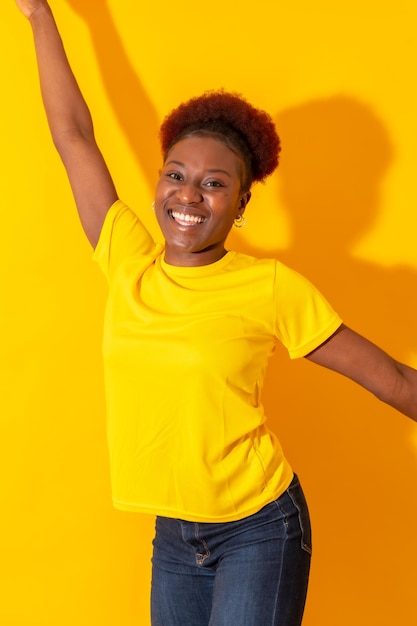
(186, 218)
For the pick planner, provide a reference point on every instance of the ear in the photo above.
(244, 201)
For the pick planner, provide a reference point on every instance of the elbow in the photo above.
(401, 394)
(70, 139)
(391, 384)
(71, 129)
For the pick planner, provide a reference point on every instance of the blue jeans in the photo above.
(253, 572)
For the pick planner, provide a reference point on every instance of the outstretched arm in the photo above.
(357, 358)
(70, 121)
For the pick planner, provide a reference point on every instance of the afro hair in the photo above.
(249, 130)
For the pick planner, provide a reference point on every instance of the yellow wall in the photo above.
(339, 79)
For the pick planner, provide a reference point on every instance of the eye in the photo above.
(174, 175)
(214, 183)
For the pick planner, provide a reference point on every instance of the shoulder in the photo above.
(123, 235)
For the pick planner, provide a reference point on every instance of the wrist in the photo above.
(39, 13)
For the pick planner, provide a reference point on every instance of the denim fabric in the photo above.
(253, 572)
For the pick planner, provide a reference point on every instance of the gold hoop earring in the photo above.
(239, 222)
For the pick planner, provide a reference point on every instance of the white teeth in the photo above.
(185, 217)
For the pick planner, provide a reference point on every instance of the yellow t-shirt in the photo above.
(185, 353)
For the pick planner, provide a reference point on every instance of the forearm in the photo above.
(65, 107)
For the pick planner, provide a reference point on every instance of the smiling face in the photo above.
(197, 198)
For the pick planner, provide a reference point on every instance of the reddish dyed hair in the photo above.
(245, 129)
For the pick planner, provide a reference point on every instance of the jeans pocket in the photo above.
(296, 494)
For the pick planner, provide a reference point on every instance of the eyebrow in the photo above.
(215, 170)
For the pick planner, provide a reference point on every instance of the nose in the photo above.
(188, 193)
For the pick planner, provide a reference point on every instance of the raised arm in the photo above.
(70, 121)
(362, 361)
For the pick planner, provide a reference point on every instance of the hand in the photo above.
(29, 7)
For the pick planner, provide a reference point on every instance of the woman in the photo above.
(189, 329)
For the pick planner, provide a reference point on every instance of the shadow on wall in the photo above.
(132, 106)
(354, 455)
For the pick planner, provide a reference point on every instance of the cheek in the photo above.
(160, 200)
(163, 188)
(225, 219)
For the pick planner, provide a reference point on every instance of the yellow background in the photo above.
(339, 80)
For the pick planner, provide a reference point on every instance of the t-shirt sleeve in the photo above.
(123, 235)
(303, 317)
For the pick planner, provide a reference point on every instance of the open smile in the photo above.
(186, 219)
